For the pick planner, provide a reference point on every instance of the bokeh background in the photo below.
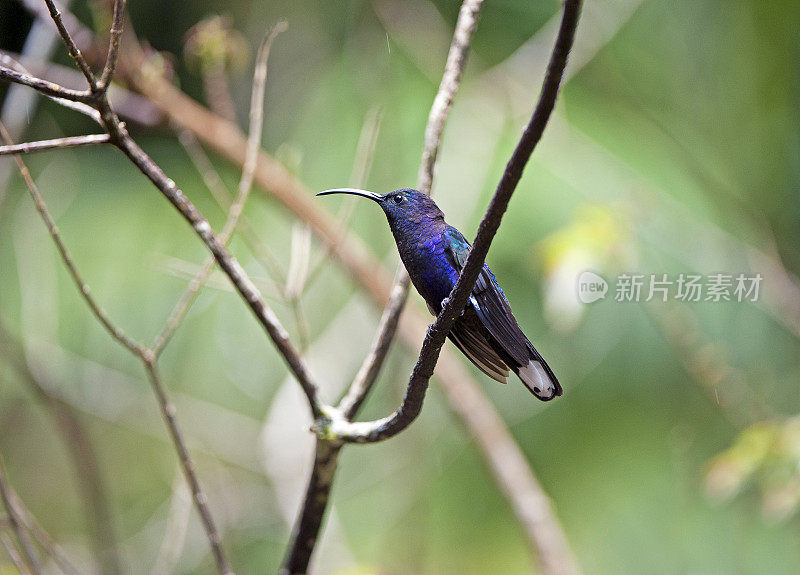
(674, 148)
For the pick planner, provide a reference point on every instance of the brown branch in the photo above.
(6, 496)
(117, 20)
(44, 86)
(145, 355)
(368, 432)
(84, 458)
(14, 555)
(305, 534)
(189, 471)
(56, 144)
(245, 185)
(226, 139)
(74, 51)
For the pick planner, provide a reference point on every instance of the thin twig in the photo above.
(117, 20)
(189, 471)
(82, 286)
(145, 355)
(440, 109)
(56, 144)
(44, 86)
(84, 458)
(245, 185)
(309, 523)
(44, 539)
(76, 105)
(368, 432)
(15, 521)
(214, 183)
(14, 555)
(74, 51)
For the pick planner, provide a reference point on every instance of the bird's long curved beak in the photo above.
(353, 192)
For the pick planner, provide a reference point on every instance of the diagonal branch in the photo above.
(115, 34)
(74, 51)
(76, 276)
(440, 109)
(145, 355)
(17, 526)
(309, 523)
(245, 185)
(368, 432)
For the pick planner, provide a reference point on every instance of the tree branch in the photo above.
(44, 86)
(368, 432)
(117, 20)
(523, 491)
(145, 355)
(306, 531)
(74, 51)
(440, 109)
(56, 144)
(16, 523)
(245, 185)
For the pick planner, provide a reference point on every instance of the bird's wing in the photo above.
(494, 311)
(478, 350)
(490, 304)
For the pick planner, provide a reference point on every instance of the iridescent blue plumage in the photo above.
(434, 253)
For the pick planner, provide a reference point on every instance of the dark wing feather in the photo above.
(473, 343)
(493, 310)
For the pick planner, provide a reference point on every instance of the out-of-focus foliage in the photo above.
(674, 149)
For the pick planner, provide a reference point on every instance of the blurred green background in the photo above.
(675, 148)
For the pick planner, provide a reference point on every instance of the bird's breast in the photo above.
(429, 266)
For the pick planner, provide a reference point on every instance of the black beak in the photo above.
(353, 192)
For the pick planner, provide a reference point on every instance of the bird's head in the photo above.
(400, 206)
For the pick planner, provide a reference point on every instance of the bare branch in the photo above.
(189, 471)
(367, 432)
(304, 535)
(14, 555)
(58, 143)
(84, 459)
(7, 497)
(144, 354)
(368, 372)
(43, 538)
(74, 51)
(245, 185)
(440, 109)
(45, 87)
(86, 293)
(117, 20)
(75, 105)
(221, 195)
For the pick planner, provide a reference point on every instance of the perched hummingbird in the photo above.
(434, 253)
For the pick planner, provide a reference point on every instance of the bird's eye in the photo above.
(397, 198)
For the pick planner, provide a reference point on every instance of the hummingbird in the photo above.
(434, 252)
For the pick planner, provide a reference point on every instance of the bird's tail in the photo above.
(538, 377)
